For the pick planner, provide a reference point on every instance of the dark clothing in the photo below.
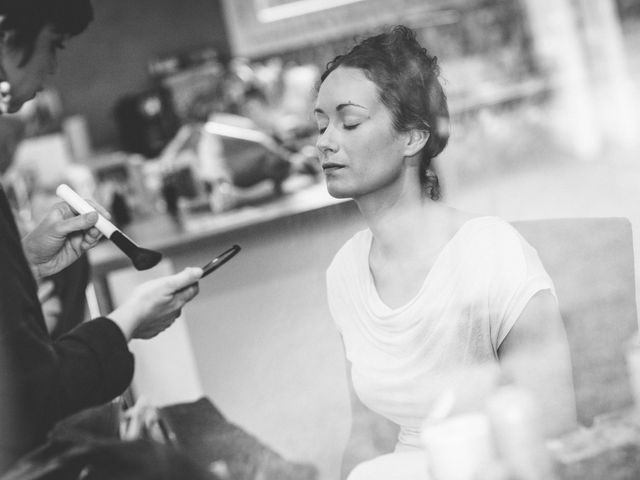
(45, 380)
(69, 286)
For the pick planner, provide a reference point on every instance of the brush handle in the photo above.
(81, 206)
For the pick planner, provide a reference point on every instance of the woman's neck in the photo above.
(399, 218)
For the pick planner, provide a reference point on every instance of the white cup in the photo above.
(458, 448)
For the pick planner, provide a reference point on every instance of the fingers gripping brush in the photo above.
(142, 258)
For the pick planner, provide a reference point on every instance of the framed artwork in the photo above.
(274, 10)
(260, 28)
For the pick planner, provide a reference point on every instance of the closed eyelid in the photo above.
(352, 121)
(354, 117)
(349, 115)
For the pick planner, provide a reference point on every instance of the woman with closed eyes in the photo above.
(427, 295)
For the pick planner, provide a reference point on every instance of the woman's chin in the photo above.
(336, 192)
(336, 188)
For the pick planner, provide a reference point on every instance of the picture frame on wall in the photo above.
(260, 28)
(274, 10)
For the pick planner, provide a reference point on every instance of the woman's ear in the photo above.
(416, 140)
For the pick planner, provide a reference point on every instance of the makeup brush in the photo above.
(142, 258)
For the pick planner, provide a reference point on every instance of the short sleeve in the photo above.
(516, 274)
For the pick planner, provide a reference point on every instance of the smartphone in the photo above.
(220, 260)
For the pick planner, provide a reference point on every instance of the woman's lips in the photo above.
(331, 167)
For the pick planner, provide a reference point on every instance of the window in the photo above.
(274, 10)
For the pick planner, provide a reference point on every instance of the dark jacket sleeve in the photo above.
(50, 379)
(90, 365)
(46, 380)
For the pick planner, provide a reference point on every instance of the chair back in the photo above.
(592, 266)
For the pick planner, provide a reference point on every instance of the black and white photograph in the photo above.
(319, 239)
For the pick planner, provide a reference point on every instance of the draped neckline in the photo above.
(375, 303)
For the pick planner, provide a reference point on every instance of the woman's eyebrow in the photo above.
(340, 107)
(349, 104)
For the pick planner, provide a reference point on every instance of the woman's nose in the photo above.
(326, 143)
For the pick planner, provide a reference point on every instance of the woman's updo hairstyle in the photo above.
(26, 18)
(407, 80)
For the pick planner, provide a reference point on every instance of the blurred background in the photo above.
(198, 112)
(532, 86)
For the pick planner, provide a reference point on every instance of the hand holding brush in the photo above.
(142, 258)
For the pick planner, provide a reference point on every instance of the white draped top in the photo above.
(403, 358)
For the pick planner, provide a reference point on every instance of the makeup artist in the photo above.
(42, 381)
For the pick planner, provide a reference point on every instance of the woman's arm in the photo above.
(371, 434)
(535, 354)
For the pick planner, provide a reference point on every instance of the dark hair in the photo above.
(27, 18)
(407, 80)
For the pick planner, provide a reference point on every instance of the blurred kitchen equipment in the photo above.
(76, 133)
(146, 121)
(181, 179)
(222, 163)
(251, 155)
(193, 81)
